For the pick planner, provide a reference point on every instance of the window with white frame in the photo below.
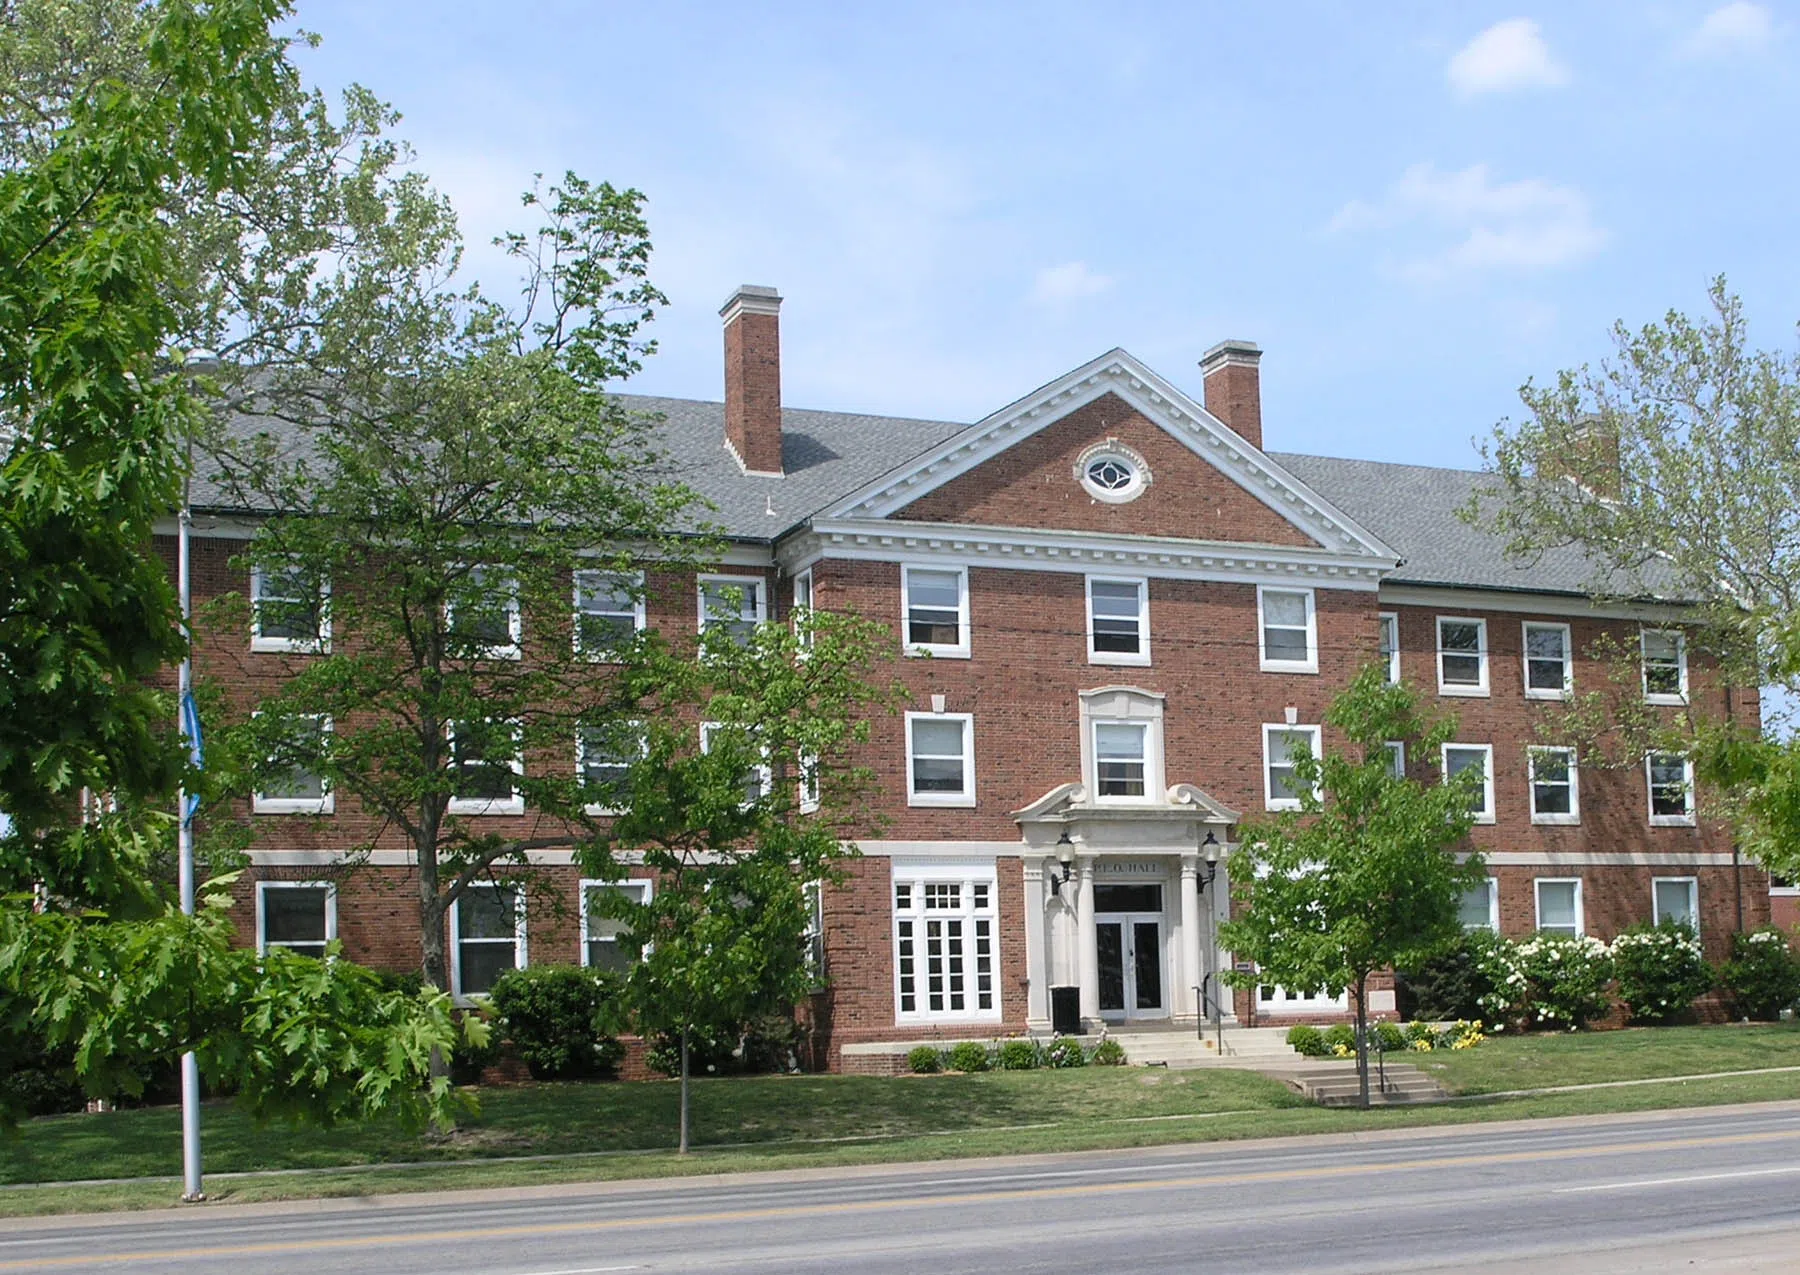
(940, 759)
(814, 937)
(1458, 758)
(1288, 630)
(295, 784)
(481, 617)
(1671, 780)
(1118, 621)
(1390, 644)
(1281, 744)
(758, 777)
(1286, 1000)
(803, 605)
(1559, 906)
(1549, 661)
(298, 915)
(1665, 666)
(810, 783)
(609, 612)
(1462, 656)
(1121, 760)
(485, 765)
(1675, 899)
(1479, 907)
(934, 602)
(946, 933)
(1555, 785)
(487, 931)
(289, 610)
(1396, 757)
(602, 945)
(604, 755)
(736, 604)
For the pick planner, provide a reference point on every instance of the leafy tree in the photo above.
(1362, 877)
(738, 807)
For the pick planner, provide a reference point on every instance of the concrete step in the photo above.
(1242, 1047)
(1334, 1083)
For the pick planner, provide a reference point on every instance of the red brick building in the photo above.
(1118, 612)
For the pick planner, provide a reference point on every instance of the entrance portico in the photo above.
(1134, 926)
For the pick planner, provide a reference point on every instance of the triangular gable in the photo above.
(1314, 520)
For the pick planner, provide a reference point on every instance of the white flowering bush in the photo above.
(1660, 970)
(1546, 981)
(1762, 978)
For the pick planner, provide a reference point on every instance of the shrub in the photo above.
(1762, 978)
(1065, 1052)
(1018, 1055)
(1340, 1037)
(1417, 1031)
(1452, 984)
(968, 1056)
(559, 1020)
(469, 1060)
(1565, 978)
(1389, 1036)
(1305, 1039)
(923, 1060)
(1108, 1053)
(770, 1043)
(1660, 970)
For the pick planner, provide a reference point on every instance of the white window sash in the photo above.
(324, 804)
(1681, 666)
(765, 773)
(1146, 762)
(319, 645)
(1480, 655)
(643, 887)
(1270, 730)
(263, 888)
(520, 952)
(960, 649)
(1686, 818)
(1268, 665)
(1390, 626)
(1139, 657)
(1486, 814)
(513, 805)
(1567, 686)
(803, 605)
(1537, 886)
(515, 627)
(639, 611)
(1490, 887)
(965, 798)
(600, 808)
(753, 589)
(957, 954)
(1690, 885)
(1574, 785)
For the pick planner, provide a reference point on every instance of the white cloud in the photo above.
(1071, 281)
(1508, 55)
(1739, 27)
(1466, 223)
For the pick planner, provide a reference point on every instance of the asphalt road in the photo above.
(1712, 1190)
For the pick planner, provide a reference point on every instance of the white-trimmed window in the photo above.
(298, 915)
(485, 763)
(484, 624)
(1555, 783)
(1390, 644)
(1559, 906)
(1670, 777)
(1480, 757)
(1121, 761)
(810, 783)
(609, 612)
(735, 603)
(1462, 655)
(1281, 789)
(1665, 666)
(1118, 620)
(757, 780)
(946, 942)
(1396, 757)
(299, 788)
(814, 937)
(600, 945)
(1479, 907)
(1549, 661)
(1675, 899)
(940, 759)
(1284, 1000)
(934, 607)
(604, 754)
(803, 605)
(1287, 630)
(289, 611)
(487, 936)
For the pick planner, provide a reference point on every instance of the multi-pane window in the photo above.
(1671, 780)
(609, 612)
(488, 936)
(1675, 899)
(1479, 907)
(803, 605)
(482, 615)
(935, 601)
(1281, 744)
(814, 938)
(294, 783)
(736, 604)
(1555, 785)
(1118, 621)
(1549, 672)
(758, 777)
(940, 759)
(1287, 633)
(1665, 666)
(604, 754)
(602, 945)
(1396, 757)
(485, 765)
(298, 915)
(1462, 656)
(1479, 758)
(945, 944)
(1120, 760)
(1390, 644)
(1559, 905)
(288, 610)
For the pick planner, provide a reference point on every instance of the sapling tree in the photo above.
(1365, 875)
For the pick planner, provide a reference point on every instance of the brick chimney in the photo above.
(1234, 387)
(753, 378)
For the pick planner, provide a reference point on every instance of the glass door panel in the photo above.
(1109, 938)
(1146, 964)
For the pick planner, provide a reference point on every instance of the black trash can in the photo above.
(1065, 1011)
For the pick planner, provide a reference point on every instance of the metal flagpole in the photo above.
(190, 1064)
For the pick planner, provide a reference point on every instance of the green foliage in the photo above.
(1307, 1040)
(969, 1055)
(924, 1060)
(560, 1020)
(477, 1048)
(1340, 1038)
(1017, 1055)
(1392, 1037)
(1660, 971)
(1548, 981)
(1451, 983)
(1108, 1053)
(1065, 1051)
(766, 1043)
(1762, 977)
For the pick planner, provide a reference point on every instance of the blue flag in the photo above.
(190, 730)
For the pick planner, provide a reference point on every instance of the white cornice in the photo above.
(1453, 598)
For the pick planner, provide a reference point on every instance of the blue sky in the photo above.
(1411, 207)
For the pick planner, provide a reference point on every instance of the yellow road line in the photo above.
(889, 1205)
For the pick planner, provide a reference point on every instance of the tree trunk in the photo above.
(434, 962)
(1362, 1039)
(683, 1148)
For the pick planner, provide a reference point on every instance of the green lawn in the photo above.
(1504, 1063)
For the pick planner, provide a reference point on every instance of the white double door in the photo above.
(1132, 948)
